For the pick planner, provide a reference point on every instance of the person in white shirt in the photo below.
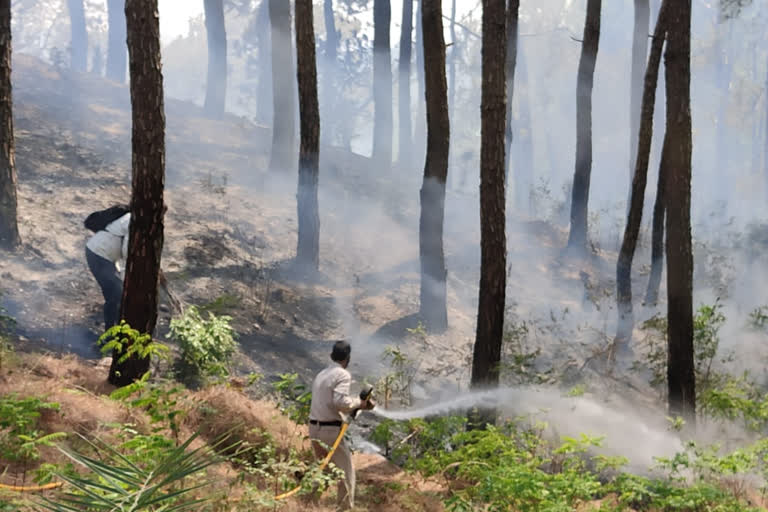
(106, 252)
(330, 403)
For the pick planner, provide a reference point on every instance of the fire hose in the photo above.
(31, 488)
(364, 395)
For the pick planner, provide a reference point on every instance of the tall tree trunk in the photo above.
(513, 10)
(420, 126)
(145, 246)
(493, 267)
(117, 51)
(78, 43)
(9, 228)
(639, 55)
(404, 85)
(308, 247)
(522, 160)
(216, 84)
(382, 85)
(680, 370)
(765, 149)
(283, 111)
(330, 54)
(264, 56)
(452, 63)
(433, 273)
(577, 238)
(657, 234)
(639, 178)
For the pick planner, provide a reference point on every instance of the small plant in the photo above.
(113, 482)
(397, 383)
(297, 396)
(221, 304)
(159, 400)
(122, 339)
(207, 346)
(758, 319)
(20, 435)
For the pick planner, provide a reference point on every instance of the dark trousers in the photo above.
(106, 275)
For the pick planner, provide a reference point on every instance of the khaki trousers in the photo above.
(342, 457)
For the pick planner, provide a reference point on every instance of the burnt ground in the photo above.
(230, 236)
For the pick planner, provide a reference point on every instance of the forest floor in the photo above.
(229, 242)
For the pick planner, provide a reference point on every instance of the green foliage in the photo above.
(758, 319)
(160, 400)
(221, 304)
(295, 397)
(706, 340)
(206, 346)
(128, 342)
(20, 434)
(7, 324)
(396, 383)
(114, 482)
(519, 362)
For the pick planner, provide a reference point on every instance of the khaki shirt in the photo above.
(330, 395)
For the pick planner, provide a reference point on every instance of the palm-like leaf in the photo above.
(118, 485)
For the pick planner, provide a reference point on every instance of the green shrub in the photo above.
(128, 342)
(20, 433)
(206, 346)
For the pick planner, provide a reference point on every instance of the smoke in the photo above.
(628, 431)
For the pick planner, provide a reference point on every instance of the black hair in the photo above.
(341, 351)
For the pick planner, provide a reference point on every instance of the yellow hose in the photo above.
(31, 488)
(325, 462)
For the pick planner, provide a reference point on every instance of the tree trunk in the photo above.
(216, 84)
(637, 197)
(117, 51)
(639, 55)
(264, 45)
(513, 9)
(522, 161)
(404, 85)
(577, 238)
(330, 54)
(657, 235)
(452, 64)
(308, 247)
(677, 173)
(9, 228)
(433, 272)
(78, 44)
(283, 112)
(420, 126)
(493, 268)
(382, 85)
(145, 245)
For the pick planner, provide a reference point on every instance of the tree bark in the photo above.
(433, 273)
(577, 237)
(330, 54)
(145, 246)
(420, 126)
(9, 227)
(680, 370)
(308, 247)
(264, 45)
(639, 55)
(493, 270)
(657, 235)
(382, 85)
(452, 64)
(637, 196)
(513, 10)
(404, 85)
(117, 51)
(283, 112)
(78, 36)
(216, 84)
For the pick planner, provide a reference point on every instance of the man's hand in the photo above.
(368, 404)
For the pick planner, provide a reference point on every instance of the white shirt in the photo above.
(111, 243)
(330, 395)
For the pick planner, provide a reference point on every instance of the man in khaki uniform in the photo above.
(330, 402)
